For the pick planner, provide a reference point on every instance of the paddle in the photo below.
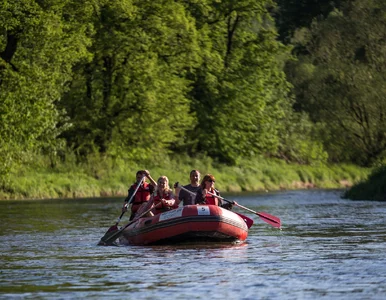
(247, 220)
(109, 240)
(115, 226)
(274, 221)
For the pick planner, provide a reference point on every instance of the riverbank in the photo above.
(104, 177)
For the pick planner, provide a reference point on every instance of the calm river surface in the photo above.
(328, 248)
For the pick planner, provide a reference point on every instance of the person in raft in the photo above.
(143, 194)
(206, 189)
(185, 197)
(163, 200)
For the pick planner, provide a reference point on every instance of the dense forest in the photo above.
(296, 80)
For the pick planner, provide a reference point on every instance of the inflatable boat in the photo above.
(190, 223)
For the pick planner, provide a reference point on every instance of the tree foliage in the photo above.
(39, 43)
(141, 79)
(239, 92)
(291, 15)
(344, 86)
(131, 95)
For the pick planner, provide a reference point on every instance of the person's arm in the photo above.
(220, 202)
(130, 194)
(151, 189)
(179, 196)
(126, 202)
(152, 181)
(171, 203)
(200, 197)
(226, 205)
(146, 206)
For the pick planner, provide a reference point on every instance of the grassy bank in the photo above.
(108, 177)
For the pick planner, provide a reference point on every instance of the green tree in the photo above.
(130, 98)
(240, 94)
(39, 43)
(291, 15)
(341, 82)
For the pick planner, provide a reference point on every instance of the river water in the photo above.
(328, 248)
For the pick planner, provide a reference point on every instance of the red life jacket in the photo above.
(161, 208)
(142, 195)
(211, 200)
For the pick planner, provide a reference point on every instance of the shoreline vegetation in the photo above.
(106, 177)
(373, 188)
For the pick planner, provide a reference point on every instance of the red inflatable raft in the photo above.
(190, 223)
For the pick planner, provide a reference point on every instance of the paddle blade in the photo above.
(106, 239)
(247, 220)
(274, 221)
